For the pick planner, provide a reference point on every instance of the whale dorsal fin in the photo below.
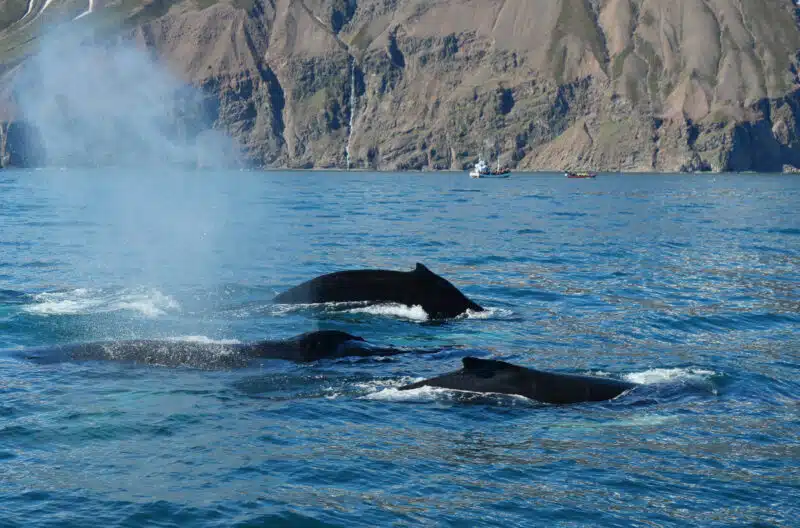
(485, 368)
(420, 268)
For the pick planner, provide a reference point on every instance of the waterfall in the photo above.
(89, 10)
(30, 8)
(352, 111)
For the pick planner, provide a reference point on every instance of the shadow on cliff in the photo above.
(771, 142)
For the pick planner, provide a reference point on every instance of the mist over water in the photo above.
(139, 136)
(146, 242)
(107, 103)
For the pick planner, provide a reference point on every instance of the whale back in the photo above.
(441, 298)
(481, 375)
(419, 287)
(322, 344)
(310, 346)
(166, 353)
(489, 375)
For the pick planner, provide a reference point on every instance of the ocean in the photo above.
(687, 285)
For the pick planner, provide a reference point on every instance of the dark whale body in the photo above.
(311, 346)
(422, 287)
(487, 375)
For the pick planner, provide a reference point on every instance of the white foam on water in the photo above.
(487, 313)
(82, 301)
(379, 384)
(434, 394)
(401, 311)
(63, 303)
(204, 340)
(152, 304)
(394, 394)
(371, 386)
(283, 309)
(389, 390)
(662, 375)
(397, 310)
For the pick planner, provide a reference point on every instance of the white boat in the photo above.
(482, 170)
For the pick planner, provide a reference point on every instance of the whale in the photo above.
(494, 376)
(303, 348)
(418, 287)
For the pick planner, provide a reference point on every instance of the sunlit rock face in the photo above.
(432, 84)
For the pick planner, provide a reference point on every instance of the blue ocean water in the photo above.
(688, 285)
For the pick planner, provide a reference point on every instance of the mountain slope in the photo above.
(409, 84)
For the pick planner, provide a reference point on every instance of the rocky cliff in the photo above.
(636, 85)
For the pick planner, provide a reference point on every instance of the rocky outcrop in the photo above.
(21, 145)
(635, 85)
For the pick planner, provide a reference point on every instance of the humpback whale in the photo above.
(311, 346)
(438, 297)
(488, 375)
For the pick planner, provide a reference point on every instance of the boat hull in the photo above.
(482, 170)
(581, 175)
(498, 175)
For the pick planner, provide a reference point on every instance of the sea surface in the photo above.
(685, 284)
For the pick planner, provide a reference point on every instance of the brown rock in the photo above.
(637, 85)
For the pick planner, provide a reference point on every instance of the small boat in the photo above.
(482, 170)
(580, 174)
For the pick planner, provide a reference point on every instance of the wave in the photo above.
(438, 394)
(83, 301)
(389, 390)
(12, 297)
(718, 323)
(670, 375)
(488, 313)
(203, 340)
(370, 386)
(400, 311)
(787, 231)
(283, 309)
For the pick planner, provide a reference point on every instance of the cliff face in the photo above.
(20, 145)
(431, 84)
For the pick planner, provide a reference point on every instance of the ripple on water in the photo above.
(726, 322)
(150, 303)
(681, 285)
